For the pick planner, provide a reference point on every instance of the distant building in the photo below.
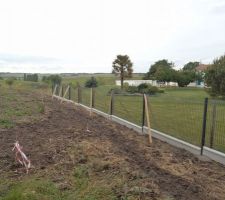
(152, 82)
(199, 70)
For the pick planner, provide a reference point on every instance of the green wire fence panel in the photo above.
(215, 130)
(182, 119)
(102, 100)
(85, 94)
(178, 118)
(66, 91)
(129, 108)
(57, 90)
(74, 94)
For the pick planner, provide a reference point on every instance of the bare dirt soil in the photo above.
(66, 137)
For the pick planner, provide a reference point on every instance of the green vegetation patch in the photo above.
(20, 103)
(33, 190)
(88, 188)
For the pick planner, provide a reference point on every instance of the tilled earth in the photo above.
(67, 136)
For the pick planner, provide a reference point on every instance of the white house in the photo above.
(152, 82)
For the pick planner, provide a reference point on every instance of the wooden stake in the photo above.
(54, 91)
(91, 101)
(60, 91)
(148, 119)
(67, 89)
(110, 104)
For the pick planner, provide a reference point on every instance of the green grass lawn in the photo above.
(177, 112)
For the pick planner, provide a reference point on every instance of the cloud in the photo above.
(86, 35)
(218, 9)
(24, 59)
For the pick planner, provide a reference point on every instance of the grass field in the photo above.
(103, 79)
(177, 112)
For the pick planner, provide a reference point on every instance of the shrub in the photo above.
(215, 77)
(142, 86)
(116, 91)
(132, 89)
(125, 85)
(152, 90)
(92, 82)
(183, 78)
(148, 89)
(53, 79)
(9, 81)
(31, 77)
(160, 91)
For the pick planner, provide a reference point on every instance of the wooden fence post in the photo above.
(60, 91)
(53, 88)
(79, 90)
(148, 119)
(111, 108)
(64, 95)
(78, 94)
(93, 97)
(54, 91)
(91, 101)
(69, 92)
(143, 113)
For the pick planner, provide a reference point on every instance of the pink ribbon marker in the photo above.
(20, 156)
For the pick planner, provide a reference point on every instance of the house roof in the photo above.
(201, 67)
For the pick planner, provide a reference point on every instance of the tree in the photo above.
(31, 77)
(53, 79)
(191, 66)
(122, 66)
(183, 78)
(92, 82)
(215, 76)
(161, 70)
(165, 75)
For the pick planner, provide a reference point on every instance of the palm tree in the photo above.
(122, 66)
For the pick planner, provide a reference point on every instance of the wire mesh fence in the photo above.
(177, 118)
(85, 96)
(129, 107)
(215, 130)
(102, 101)
(74, 94)
(182, 119)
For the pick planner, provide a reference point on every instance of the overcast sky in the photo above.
(86, 35)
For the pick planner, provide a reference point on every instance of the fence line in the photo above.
(189, 122)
